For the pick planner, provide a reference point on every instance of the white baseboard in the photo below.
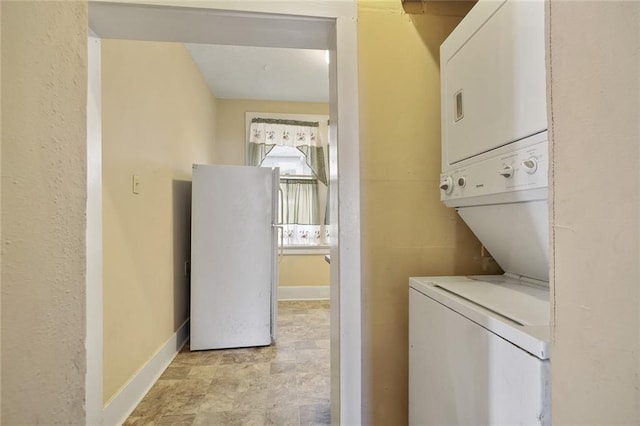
(124, 402)
(304, 292)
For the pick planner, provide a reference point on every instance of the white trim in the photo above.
(297, 9)
(94, 334)
(346, 281)
(124, 402)
(304, 292)
(205, 21)
(301, 250)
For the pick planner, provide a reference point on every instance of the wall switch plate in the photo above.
(136, 184)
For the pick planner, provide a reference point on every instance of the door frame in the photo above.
(330, 25)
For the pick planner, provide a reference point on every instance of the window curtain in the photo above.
(301, 213)
(300, 201)
(265, 133)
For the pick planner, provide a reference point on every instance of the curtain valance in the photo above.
(284, 132)
(265, 133)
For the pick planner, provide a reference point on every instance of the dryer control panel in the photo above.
(505, 176)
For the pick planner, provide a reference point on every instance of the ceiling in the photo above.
(265, 73)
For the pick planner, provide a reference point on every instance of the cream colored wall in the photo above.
(594, 96)
(304, 270)
(44, 84)
(158, 119)
(406, 230)
(230, 148)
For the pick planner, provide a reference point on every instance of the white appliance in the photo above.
(234, 266)
(479, 346)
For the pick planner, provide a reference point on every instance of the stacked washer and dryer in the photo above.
(479, 345)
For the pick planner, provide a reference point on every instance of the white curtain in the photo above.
(300, 201)
(305, 235)
(301, 213)
(284, 132)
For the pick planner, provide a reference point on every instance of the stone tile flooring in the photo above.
(285, 384)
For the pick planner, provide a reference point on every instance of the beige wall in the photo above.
(44, 89)
(304, 270)
(158, 119)
(231, 149)
(406, 230)
(594, 95)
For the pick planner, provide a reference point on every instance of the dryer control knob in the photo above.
(530, 165)
(507, 172)
(446, 184)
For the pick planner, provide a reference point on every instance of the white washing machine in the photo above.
(479, 351)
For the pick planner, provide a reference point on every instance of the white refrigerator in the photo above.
(234, 257)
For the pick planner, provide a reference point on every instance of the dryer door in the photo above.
(493, 79)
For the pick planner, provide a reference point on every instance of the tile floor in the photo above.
(285, 384)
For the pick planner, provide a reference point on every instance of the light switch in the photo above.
(136, 184)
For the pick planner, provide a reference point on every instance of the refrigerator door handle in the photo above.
(281, 194)
(281, 245)
(280, 223)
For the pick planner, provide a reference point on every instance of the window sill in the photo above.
(305, 250)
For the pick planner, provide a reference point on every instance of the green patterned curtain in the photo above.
(315, 160)
(257, 153)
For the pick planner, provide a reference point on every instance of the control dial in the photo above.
(446, 184)
(507, 172)
(530, 165)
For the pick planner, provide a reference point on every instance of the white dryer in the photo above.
(479, 351)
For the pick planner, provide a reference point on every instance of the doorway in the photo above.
(282, 24)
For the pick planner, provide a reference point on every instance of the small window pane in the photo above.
(290, 160)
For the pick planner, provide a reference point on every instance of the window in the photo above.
(298, 148)
(290, 160)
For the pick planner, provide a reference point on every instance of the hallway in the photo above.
(285, 384)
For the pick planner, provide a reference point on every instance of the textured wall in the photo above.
(594, 95)
(406, 230)
(158, 119)
(44, 84)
